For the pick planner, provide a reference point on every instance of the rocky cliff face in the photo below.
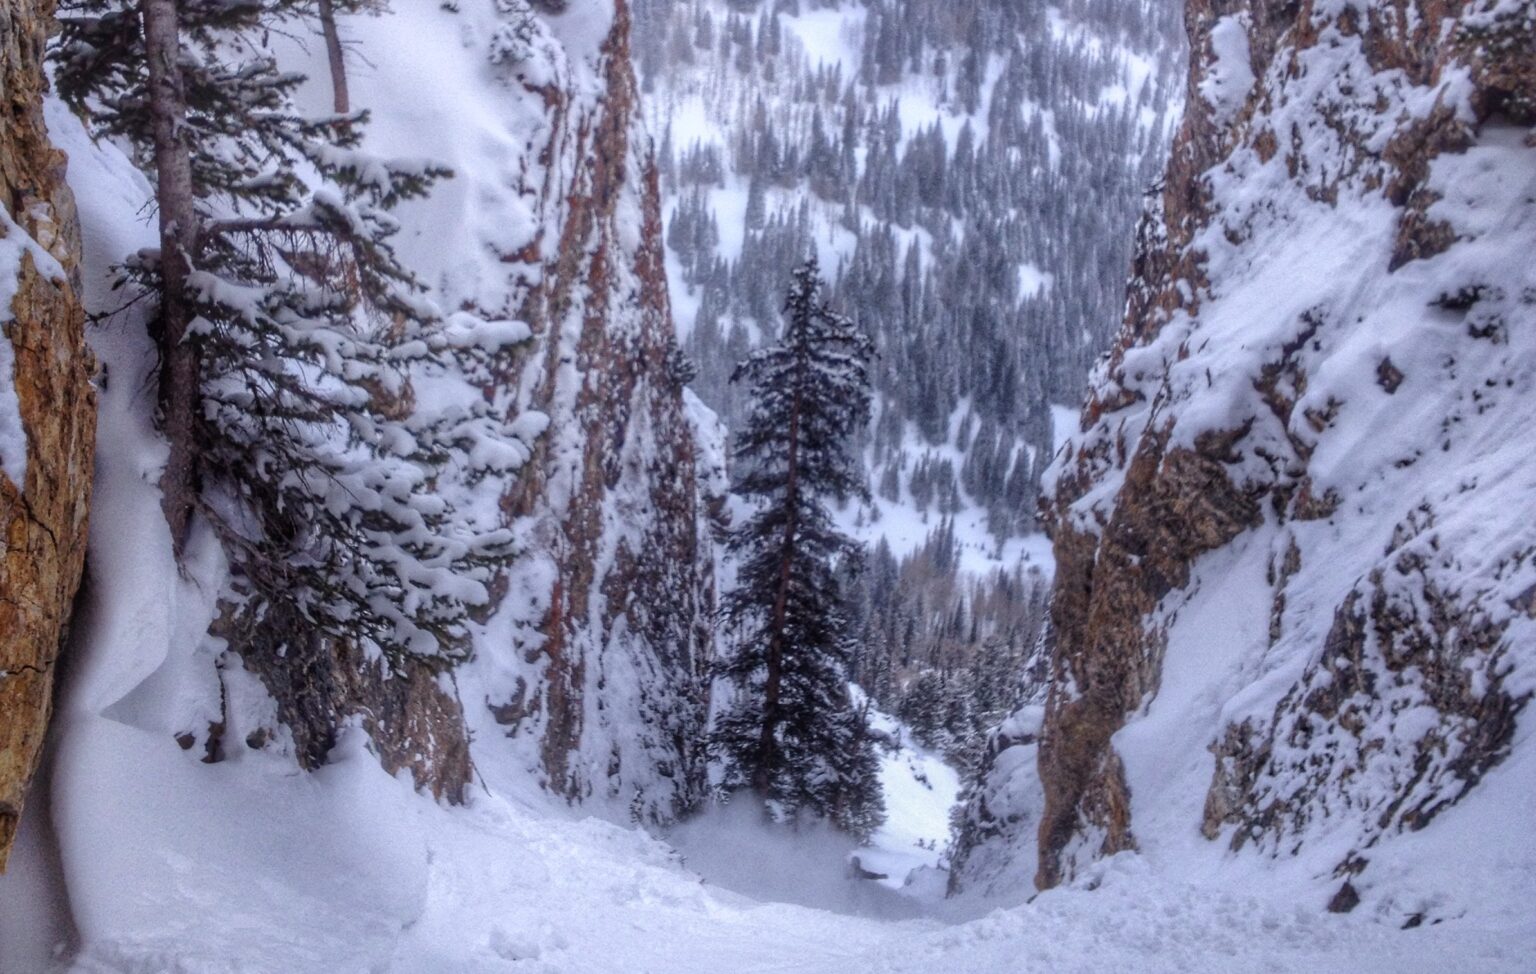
(1288, 533)
(621, 635)
(47, 407)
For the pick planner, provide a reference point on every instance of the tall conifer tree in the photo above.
(791, 732)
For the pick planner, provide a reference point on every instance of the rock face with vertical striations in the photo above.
(1292, 532)
(617, 699)
(47, 406)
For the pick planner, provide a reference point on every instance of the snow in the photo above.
(13, 435)
(1431, 480)
(828, 35)
(161, 863)
(1032, 280)
(920, 788)
(252, 866)
(1164, 752)
(1064, 422)
(1229, 78)
(499, 887)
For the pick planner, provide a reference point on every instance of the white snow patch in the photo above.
(1229, 77)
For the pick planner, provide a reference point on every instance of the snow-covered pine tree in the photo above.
(791, 732)
(287, 327)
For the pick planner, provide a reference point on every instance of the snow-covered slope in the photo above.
(1292, 630)
(267, 871)
(498, 887)
(919, 788)
(203, 771)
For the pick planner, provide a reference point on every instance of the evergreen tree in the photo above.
(791, 732)
(288, 329)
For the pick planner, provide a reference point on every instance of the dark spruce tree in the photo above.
(791, 732)
(288, 331)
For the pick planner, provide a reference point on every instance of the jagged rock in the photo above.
(1224, 422)
(614, 491)
(48, 383)
(1346, 899)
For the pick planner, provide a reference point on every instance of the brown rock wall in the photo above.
(43, 535)
(1179, 503)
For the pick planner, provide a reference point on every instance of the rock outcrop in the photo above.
(621, 644)
(47, 407)
(1288, 532)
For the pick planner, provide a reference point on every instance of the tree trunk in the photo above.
(337, 56)
(178, 242)
(766, 746)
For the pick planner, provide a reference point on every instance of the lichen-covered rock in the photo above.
(1289, 532)
(47, 407)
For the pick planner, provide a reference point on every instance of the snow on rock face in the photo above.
(610, 633)
(47, 408)
(1293, 531)
(1229, 78)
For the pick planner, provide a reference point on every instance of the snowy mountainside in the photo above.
(969, 174)
(1291, 631)
(175, 762)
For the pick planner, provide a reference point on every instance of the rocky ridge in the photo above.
(1289, 521)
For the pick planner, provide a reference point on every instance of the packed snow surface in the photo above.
(504, 886)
